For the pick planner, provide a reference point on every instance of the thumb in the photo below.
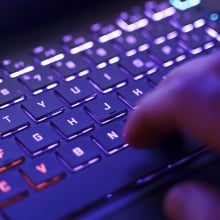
(192, 201)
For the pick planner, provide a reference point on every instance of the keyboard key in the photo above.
(12, 120)
(46, 56)
(106, 109)
(10, 93)
(110, 138)
(38, 139)
(100, 54)
(12, 189)
(71, 67)
(73, 123)
(10, 155)
(76, 92)
(107, 79)
(132, 93)
(138, 65)
(79, 154)
(156, 78)
(43, 106)
(42, 172)
(39, 80)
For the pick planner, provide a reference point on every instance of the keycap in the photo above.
(101, 54)
(42, 172)
(43, 106)
(107, 79)
(39, 80)
(110, 138)
(10, 155)
(46, 56)
(155, 78)
(10, 93)
(12, 120)
(132, 93)
(106, 109)
(38, 139)
(138, 65)
(12, 189)
(71, 67)
(79, 154)
(76, 92)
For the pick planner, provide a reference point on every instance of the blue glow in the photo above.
(214, 17)
(184, 4)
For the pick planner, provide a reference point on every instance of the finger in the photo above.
(192, 201)
(186, 100)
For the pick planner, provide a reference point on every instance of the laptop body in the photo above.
(116, 182)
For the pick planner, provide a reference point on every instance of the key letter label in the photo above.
(137, 92)
(72, 121)
(75, 90)
(4, 186)
(37, 137)
(112, 135)
(41, 168)
(107, 106)
(78, 151)
(42, 104)
(7, 118)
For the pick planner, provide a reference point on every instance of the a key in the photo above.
(12, 189)
(106, 109)
(79, 154)
(38, 139)
(10, 155)
(71, 67)
(76, 92)
(10, 93)
(73, 123)
(40, 80)
(132, 93)
(110, 138)
(42, 171)
(107, 79)
(43, 106)
(12, 120)
(139, 65)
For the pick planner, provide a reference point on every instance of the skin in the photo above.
(188, 98)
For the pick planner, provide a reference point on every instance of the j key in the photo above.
(128, 42)
(71, 67)
(76, 45)
(10, 93)
(108, 79)
(76, 92)
(132, 93)
(105, 33)
(196, 41)
(78, 155)
(12, 119)
(16, 67)
(43, 106)
(46, 56)
(42, 172)
(168, 53)
(12, 189)
(10, 155)
(139, 65)
(73, 123)
(102, 53)
(110, 138)
(38, 139)
(106, 109)
(39, 80)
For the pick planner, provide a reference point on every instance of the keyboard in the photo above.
(63, 107)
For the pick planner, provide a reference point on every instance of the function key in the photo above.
(42, 172)
(38, 139)
(107, 79)
(106, 109)
(43, 106)
(105, 33)
(76, 92)
(71, 67)
(46, 56)
(78, 155)
(12, 120)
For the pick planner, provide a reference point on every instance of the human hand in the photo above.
(189, 99)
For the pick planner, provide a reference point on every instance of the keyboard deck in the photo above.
(63, 108)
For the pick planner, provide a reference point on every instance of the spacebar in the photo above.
(84, 188)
